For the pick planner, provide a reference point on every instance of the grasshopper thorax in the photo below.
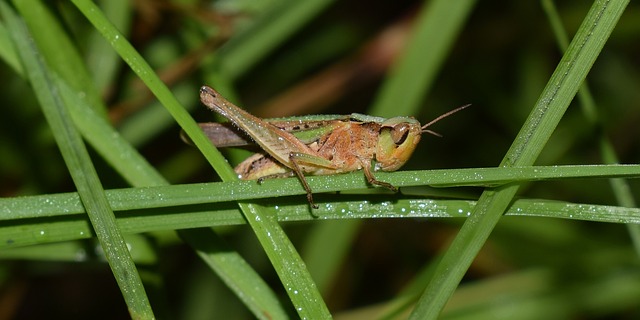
(397, 140)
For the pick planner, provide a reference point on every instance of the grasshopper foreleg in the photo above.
(366, 167)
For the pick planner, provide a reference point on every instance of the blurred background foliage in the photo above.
(335, 62)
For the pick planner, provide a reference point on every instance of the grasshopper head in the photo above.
(398, 138)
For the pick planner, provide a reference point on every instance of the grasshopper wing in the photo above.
(222, 135)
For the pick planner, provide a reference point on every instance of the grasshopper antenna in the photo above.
(442, 116)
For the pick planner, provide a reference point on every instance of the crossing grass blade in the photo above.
(620, 187)
(82, 172)
(549, 109)
(295, 278)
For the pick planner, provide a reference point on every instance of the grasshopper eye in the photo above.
(400, 132)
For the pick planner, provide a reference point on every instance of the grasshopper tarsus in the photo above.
(387, 185)
(383, 184)
(310, 199)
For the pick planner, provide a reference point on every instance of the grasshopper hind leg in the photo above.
(261, 167)
(303, 180)
(295, 171)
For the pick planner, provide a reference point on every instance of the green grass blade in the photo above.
(135, 169)
(243, 280)
(82, 172)
(565, 82)
(325, 249)
(206, 193)
(235, 272)
(100, 57)
(621, 190)
(62, 55)
(620, 187)
(116, 151)
(288, 264)
(436, 28)
(548, 111)
(7, 51)
(64, 220)
(411, 77)
(101, 135)
(403, 302)
(147, 75)
(275, 26)
(177, 215)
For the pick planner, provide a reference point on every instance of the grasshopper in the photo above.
(316, 145)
